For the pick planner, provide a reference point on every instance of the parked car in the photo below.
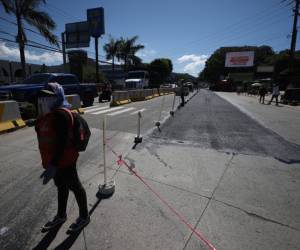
(27, 91)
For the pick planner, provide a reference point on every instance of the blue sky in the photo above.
(187, 32)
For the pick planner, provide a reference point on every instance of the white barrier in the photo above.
(75, 101)
(120, 98)
(10, 117)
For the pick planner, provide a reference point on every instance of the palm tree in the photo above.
(128, 49)
(27, 10)
(5, 4)
(111, 49)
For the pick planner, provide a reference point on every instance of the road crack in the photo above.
(251, 214)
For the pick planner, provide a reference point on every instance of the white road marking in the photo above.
(135, 112)
(121, 111)
(106, 111)
(92, 107)
(95, 109)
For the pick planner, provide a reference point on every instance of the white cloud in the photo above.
(193, 63)
(48, 58)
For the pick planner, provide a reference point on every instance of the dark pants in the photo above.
(182, 100)
(262, 98)
(67, 179)
(276, 98)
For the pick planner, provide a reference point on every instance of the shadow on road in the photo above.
(69, 241)
(289, 161)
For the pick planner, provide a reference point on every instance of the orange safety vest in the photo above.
(47, 138)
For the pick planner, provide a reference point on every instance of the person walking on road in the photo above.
(59, 156)
(262, 92)
(275, 93)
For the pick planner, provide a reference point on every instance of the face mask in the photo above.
(46, 104)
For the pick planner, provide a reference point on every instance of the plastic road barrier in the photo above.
(155, 92)
(140, 94)
(165, 91)
(148, 94)
(74, 100)
(120, 98)
(10, 117)
(136, 95)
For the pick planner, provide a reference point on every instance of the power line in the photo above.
(240, 35)
(62, 12)
(44, 47)
(232, 27)
(37, 33)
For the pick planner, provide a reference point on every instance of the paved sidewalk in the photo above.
(283, 119)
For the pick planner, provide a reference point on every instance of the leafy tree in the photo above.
(215, 65)
(127, 51)
(111, 49)
(89, 75)
(160, 69)
(27, 11)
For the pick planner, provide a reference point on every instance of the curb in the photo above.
(118, 103)
(12, 125)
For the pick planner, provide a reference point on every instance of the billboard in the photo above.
(95, 19)
(77, 35)
(239, 59)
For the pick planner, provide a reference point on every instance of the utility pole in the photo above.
(97, 60)
(64, 50)
(294, 36)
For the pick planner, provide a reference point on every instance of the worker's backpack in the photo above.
(81, 131)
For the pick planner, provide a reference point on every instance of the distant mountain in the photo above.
(178, 76)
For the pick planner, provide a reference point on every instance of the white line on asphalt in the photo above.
(92, 107)
(95, 109)
(121, 111)
(106, 111)
(135, 112)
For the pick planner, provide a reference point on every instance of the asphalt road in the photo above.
(212, 122)
(124, 118)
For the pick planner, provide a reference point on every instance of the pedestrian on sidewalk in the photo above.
(275, 93)
(262, 92)
(59, 155)
(182, 93)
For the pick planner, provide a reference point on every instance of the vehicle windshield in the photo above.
(36, 79)
(136, 75)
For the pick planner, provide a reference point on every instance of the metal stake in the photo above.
(172, 111)
(138, 139)
(108, 188)
(104, 149)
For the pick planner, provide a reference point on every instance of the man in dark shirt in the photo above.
(61, 167)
